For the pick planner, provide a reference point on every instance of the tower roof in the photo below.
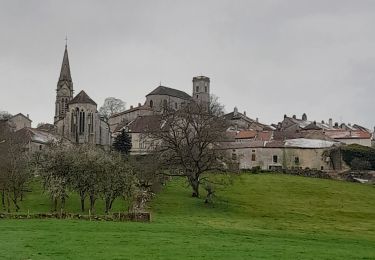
(82, 98)
(65, 68)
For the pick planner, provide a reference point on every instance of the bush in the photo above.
(359, 157)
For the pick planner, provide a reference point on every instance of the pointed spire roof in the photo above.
(65, 68)
(82, 98)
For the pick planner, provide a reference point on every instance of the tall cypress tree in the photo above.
(122, 142)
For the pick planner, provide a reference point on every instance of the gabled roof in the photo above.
(145, 123)
(20, 114)
(161, 90)
(82, 98)
(34, 135)
(235, 115)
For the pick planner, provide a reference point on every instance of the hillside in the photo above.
(258, 216)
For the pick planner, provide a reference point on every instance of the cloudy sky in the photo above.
(269, 57)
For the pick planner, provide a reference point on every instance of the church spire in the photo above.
(65, 75)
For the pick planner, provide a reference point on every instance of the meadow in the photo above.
(259, 216)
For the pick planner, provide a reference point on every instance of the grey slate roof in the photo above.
(161, 90)
(82, 97)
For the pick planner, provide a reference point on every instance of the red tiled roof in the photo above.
(248, 134)
(345, 134)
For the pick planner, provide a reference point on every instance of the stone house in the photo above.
(36, 140)
(288, 154)
(138, 130)
(19, 121)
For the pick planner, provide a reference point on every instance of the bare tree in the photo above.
(14, 166)
(189, 140)
(111, 106)
(4, 115)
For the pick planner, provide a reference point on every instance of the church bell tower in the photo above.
(64, 91)
(201, 89)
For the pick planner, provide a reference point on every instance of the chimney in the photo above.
(330, 122)
(139, 104)
(304, 117)
(336, 124)
(349, 124)
(323, 122)
(314, 122)
(235, 111)
(294, 117)
(28, 116)
(244, 112)
(257, 120)
(131, 107)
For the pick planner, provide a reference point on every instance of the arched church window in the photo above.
(81, 122)
(197, 89)
(72, 123)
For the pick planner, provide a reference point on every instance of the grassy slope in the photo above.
(259, 216)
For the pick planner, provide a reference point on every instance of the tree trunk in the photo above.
(107, 204)
(15, 200)
(8, 202)
(110, 204)
(82, 204)
(92, 204)
(3, 199)
(194, 183)
(62, 203)
(54, 204)
(82, 194)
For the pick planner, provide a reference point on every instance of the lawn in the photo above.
(258, 216)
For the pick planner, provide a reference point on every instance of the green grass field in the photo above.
(258, 217)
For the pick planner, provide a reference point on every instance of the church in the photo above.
(76, 117)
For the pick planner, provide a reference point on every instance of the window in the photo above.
(296, 160)
(197, 89)
(72, 122)
(165, 103)
(197, 96)
(151, 103)
(90, 120)
(253, 157)
(321, 168)
(274, 158)
(175, 105)
(40, 147)
(205, 89)
(234, 156)
(81, 122)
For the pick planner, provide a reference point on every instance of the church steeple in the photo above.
(64, 91)
(65, 76)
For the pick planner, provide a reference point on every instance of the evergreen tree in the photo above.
(123, 143)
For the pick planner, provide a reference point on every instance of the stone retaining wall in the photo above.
(138, 217)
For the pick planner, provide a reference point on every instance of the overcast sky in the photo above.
(268, 57)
